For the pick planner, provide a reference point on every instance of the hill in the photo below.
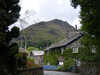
(54, 30)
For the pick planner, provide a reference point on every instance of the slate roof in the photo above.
(38, 53)
(66, 41)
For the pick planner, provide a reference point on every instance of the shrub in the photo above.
(68, 64)
(32, 48)
(21, 60)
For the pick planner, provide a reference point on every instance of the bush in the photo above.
(30, 59)
(68, 64)
(61, 68)
(21, 60)
(32, 48)
(30, 62)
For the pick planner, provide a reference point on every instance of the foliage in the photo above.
(13, 49)
(14, 32)
(52, 58)
(45, 59)
(61, 68)
(68, 64)
(21, 60)
(30, 59)
(90, 26)
(69, 58)
(68, 53)
(88, 45)
(32, 48)
(31, 64)
(9, 13)
(89, 19)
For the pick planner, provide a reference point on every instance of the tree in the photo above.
(9, 13)
(87, 51)
(21, 60)
(89, 17)
(90, 24)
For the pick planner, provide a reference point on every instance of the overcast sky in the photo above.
(33, 11)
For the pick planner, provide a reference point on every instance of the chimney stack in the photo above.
(76, 28)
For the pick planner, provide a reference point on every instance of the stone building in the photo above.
(37, 56)
(71, 42)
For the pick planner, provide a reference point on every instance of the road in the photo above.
(58, 73)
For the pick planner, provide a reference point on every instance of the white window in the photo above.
(93, 50)
(75, 50)
(61, 63)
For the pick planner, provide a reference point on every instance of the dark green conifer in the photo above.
(9, 13)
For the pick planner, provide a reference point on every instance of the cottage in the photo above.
(38, 56)
(72, 42)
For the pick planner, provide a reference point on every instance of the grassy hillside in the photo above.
(54, 30)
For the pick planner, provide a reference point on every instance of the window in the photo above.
(75, 50)
(93, 50)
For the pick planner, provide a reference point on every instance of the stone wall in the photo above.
(88, 68)
(32, 71)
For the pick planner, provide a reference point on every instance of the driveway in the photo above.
(58, 73)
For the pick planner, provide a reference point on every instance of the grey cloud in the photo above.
(52, 9)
